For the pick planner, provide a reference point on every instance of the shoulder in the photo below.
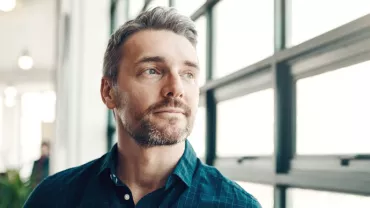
(69, 176)
(62, 184)
(214, 183)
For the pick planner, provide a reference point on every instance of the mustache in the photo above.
(169, 102)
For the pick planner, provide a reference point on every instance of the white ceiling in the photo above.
(32, 25)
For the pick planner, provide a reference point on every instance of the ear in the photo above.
(106, 92)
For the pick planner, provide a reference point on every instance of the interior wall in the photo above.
(81, 115)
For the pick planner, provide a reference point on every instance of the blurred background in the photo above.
(285, 94)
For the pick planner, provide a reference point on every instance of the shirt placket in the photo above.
(123, 192)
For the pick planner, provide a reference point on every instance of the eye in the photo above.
(190, 75)
(151, 71)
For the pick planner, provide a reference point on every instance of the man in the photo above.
(151, 83)
(40, 168)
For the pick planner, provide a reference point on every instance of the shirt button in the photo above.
(114, 178)
(127, 197)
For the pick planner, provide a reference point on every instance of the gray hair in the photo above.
(158, 18)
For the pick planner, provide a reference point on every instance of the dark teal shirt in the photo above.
(95, 184)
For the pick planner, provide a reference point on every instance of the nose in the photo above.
(173, 87)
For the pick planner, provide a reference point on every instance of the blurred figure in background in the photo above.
(40, 168)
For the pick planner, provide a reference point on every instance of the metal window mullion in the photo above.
(203, 9)
(210, 98)
(280, 196)
(281, 24)
(171, 3)
(127, 10)
(283, 83)
(146, 4)
(113, 10)
(284, 142)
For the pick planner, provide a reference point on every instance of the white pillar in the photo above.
(81, 116)
(10, 145)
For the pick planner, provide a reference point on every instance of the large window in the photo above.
(121, 14)
(155, 3)
(198, 135)
(245, 125)
(135, 6)
(188, 7)
(314, 17)
(263, 193)
(333, 112)
(201, 26)
(243, 34)
(305, 198)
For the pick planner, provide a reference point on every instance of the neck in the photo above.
(144, 169)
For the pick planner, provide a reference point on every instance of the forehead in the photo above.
(163, 43)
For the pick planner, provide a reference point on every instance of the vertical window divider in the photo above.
(284, 104)
(211, 110)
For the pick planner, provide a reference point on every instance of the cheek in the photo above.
(193, 98)
(141, 100)
(193, 93)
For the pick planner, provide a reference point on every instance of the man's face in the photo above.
(44, 150)
(157, 89)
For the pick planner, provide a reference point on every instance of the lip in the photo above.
(170, 110)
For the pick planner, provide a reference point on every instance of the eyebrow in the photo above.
(160, 59)
(147, 59)
(191, 64)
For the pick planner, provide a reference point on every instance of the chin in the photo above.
(172, 132)
(169, 123)
(162, 131)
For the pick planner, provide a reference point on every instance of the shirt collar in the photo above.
(184, 169)
(109, 162)
(186, 166)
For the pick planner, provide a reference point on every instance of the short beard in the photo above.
(147, 134)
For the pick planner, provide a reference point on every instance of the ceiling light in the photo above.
(7, 5)
(10, 91)
(25, 61)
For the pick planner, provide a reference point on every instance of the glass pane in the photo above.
(121, 16)
(188, 7)
(333, 112)
(201, 26)
(155, 3)
(304, 198)
(135, 6)
(243, 34)
(245, 125)
(315, 17)
(198, 136)
(263, 193)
